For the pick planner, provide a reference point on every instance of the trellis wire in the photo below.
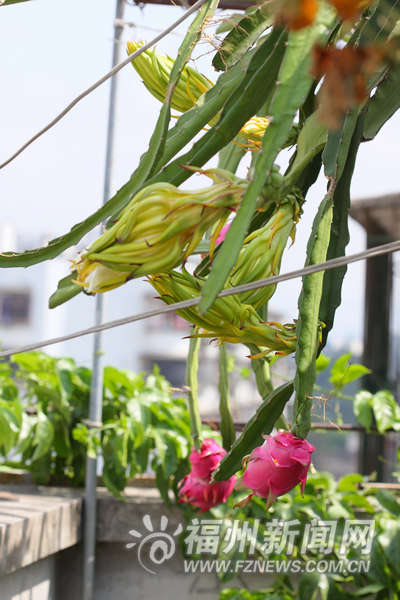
(98, 83)
(330, 264)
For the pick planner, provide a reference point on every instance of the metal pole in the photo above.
(96, 391)
(377, 341)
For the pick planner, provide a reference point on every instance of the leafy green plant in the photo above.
(343, 371)
(380, 406)
(43, 411)
(325, 500)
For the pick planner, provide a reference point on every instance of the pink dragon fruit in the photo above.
(276, 467)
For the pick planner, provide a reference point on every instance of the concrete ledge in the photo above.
(36, 523)
(41, 559)
(116, 518)
(40, 521)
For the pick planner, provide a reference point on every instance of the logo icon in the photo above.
(162, 545)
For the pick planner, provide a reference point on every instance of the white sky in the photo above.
(51, 51)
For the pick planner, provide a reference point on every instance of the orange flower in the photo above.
(348, 9)
(296, 14)
(344, 85)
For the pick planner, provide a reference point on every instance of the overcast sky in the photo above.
(51, 51)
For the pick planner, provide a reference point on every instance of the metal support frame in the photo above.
(96, 391)
(378, 296)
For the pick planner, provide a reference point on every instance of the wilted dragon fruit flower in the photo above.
(261, 254)
(228, 320)
(155, 70)
(157, 231)
(276, 467)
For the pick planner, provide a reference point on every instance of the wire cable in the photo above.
(98, 83)
(325, 266)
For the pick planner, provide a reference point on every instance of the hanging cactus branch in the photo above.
(192, 389)
(308, 328)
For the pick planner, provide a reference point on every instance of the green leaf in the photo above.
(389, 539)
(336, 592)
(367, 590)
(114, 477)
(245, 373)
(139, 412)
(120, 447)
(44, 434)
(389, 502)
(241, 38)
(227, 427)
(261, 423)
(65, 290)
(379, 570)
(162, 483)
(322, 363)
(9, 428)
(159, 443)
(26, 433)
(386, 411)
(117, 382)
(344, 372)
(61, 441)
(338, 511)
(362, 407)
(348, 482)
(358, 501)
(309, 585)
(354, 372)
(171, 455)
(142, 455)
